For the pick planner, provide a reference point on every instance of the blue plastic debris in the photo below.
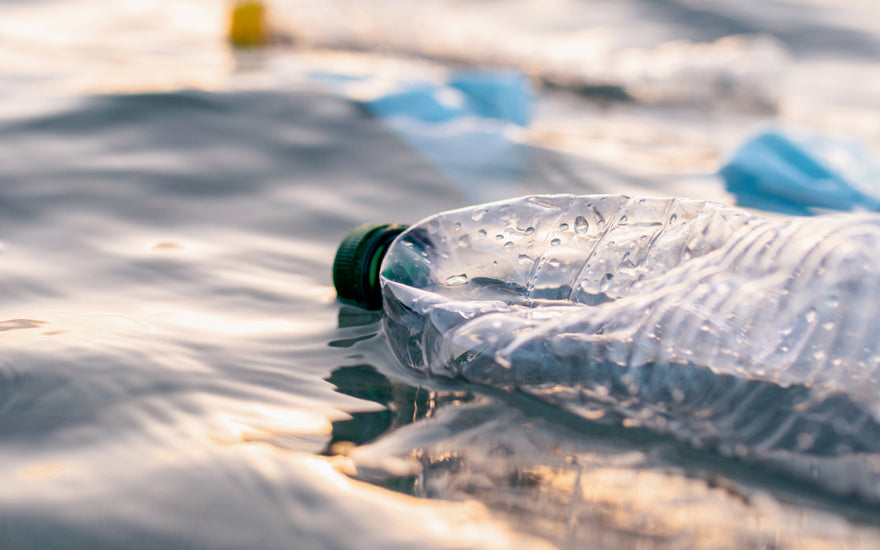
(466, 127)
(772, 171)
(424, 102)
(499, 96)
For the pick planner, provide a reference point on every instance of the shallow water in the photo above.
(175, 370)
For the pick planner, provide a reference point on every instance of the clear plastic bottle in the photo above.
(755, 337)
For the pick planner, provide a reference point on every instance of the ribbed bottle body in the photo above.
(756, 337)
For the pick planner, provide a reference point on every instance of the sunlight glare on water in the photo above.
(83, 46)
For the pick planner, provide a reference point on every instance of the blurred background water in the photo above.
(174, 368)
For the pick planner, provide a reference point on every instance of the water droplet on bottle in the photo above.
(457, 226)
(605, 283)
(524, 259)
(499, 237)
(553, 262)
(478, 214)
(481, 233)
(530, 230)
(457, 280)
(464, 240)
(581, 225)
(673, 218)
(508, 245)
(555, 242)
(563, 227)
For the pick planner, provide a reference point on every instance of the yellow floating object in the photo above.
(247, 27)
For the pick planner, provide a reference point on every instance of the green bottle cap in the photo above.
(357, 263)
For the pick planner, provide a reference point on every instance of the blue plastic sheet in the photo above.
(465, 127)
(773, 171)
(501, 96)
(468, 126)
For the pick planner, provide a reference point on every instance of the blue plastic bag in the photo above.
(772, 171)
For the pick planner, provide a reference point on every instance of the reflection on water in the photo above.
(404, 404)
(563, 478)
(578, 483)
(401, 403)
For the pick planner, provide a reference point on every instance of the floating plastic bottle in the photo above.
(754, 337)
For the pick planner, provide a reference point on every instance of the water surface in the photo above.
(175, 371)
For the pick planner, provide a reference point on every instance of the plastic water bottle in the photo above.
(754, 337)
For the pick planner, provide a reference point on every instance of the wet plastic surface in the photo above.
(751, 336)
